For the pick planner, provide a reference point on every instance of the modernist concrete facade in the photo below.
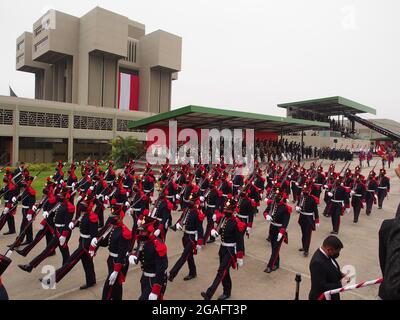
(78, 64)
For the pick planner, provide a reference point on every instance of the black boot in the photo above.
(189, 277)
(224, 296)
(205, 296)
(26, 267)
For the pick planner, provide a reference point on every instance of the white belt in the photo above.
(357, 195)
(338, 201)
(85, 236)
(150, 275)
(111, 181)
(243, 217)
(382, 187)
(276, 224)
(170, 197)
(186, 200)
(202, 189)
(318, 184)
(136, 209)
(307, 213)
(60, 225)
(371, 190)
(82, 190)
(125, 186)
(114, 255)
(147, 191)
(210, 205)
(228, 244)
(236, 185)
(119, 203)
(69, 187)
(190, 232)
(224, 195)
(25, 207)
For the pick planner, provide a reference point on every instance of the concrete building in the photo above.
(92, 75)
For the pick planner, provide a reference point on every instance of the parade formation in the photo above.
(131, 215)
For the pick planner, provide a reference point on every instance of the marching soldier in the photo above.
(230, 253)
(118, 242)
(59, 175)
(152, 254)
(383, 187)
(88, 231)
(63, 214)
(339, 200)
(46, 226)
(191, 223)
(358, 197)
(278, 212)
(246, 209)
(211, 202)
(309, 217)
(28, 199)
(10, 198)
(371, 191)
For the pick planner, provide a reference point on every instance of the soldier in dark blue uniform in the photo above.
(151, 253)
(278, 212)
(339, 200)
(358, 196)
(191, 224)
(230, 253)
(309, 217)
(383, 187)
(371, 191)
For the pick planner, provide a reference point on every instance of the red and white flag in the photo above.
(128, 91)
(381, 150)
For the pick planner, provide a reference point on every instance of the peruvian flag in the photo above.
(381, 150)
(128, 91)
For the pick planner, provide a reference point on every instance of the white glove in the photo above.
(62, 240)
(296, 183)
(133, 260)
(248, 230)
(352, 192)
(325, 187)
(107, 198)
(94, 243)
(298, 208)
(153, 296)
(14, 199)
(214, 217)
(273, 182)
(71, 225)
(157, 232)
(127, 204)
(113, 278)
(240, 262)
(214, 233)
(178, 196)
(29, 217)
(129, 212)
(268, 217)
(202, 199)
(6, 210)
(317, 225)
(279, 238)
(347, 210)
(330, 194)
(61, 181)
(79, 199)
(127, 194)
(252, 183)
(73, 185)
(289, 176)
(199, 248)
(45, 215)
(178, 226)
(34, 208)
(91, 188)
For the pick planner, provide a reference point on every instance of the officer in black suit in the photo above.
(3, 292)
(324, 269)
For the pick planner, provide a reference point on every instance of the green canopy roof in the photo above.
(329, 106)
(208, 118)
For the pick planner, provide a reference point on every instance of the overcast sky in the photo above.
(251, 55)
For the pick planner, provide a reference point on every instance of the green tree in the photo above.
(125, 149)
